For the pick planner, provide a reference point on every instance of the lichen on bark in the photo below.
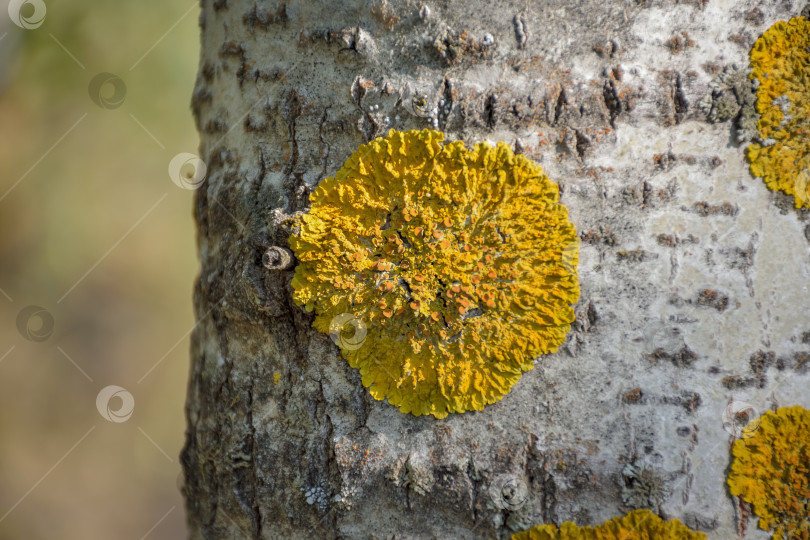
(459, 264)
(283, 439)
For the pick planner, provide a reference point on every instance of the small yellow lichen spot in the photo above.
(637, 525)
(468, 283)
(771, 471)
(276, 377)
(780, 62)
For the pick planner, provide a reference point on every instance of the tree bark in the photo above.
(689, 267)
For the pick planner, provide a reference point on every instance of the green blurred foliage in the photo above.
(79, 239)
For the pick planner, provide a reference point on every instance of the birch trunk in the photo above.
(689, 267)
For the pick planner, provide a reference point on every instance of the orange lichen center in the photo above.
(454, 261)
(433, 269)
(780, 62)
(771, 471)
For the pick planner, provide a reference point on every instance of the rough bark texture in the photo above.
(693, 274)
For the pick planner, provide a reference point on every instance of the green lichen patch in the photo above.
(733, 97)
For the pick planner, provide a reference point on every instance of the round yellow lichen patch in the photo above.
(771, 471)
(637, 525)
(780, 61)
(456, 267)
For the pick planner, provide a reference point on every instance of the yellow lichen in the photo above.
(455, 267)
(637, 525)
(771, 471)
(780, 62)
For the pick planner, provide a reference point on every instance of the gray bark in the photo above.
(693, 274)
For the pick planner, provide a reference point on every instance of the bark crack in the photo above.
(325, 147)
(358, 91)
(296, 190)
(257, 513)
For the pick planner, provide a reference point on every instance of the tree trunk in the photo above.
(689, 267)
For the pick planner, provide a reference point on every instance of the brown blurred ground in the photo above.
(76, 211)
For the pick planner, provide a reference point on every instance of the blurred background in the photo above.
(97, 261)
